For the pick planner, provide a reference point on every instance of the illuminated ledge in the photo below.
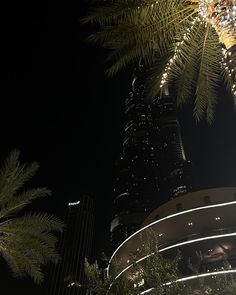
(178, 245)
(165, 218)
(202, 275)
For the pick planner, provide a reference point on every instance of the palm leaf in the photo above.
(13, 176)
(27, 242)
(183, 71)
(19, 201)
(151, 31)
(208, 76)
(139, 32)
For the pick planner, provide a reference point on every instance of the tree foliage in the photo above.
(27, 242)
(176, 43)
(156, 273)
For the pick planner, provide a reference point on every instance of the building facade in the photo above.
(197, 222)
(67, 277)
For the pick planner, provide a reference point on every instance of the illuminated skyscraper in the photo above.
(67, 277)
(153, 167)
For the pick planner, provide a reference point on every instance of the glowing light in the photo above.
(187, 34)
(198, 240)
(74, 284)
(221, 15)
(208, 274)
(74, 203)
(146, 291)
(176, 246)
(165, 218)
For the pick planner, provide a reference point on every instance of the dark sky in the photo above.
(59, 109)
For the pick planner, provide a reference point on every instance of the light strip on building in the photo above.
(203, 275)
(175, 246)
(165, 218)
(214, 273)
(146, 291)
(198, 240)
(129, 266)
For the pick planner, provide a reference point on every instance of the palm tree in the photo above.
(26, 242)
(190, 44)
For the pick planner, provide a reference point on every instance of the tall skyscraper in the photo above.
(153, 167)
(67, 277)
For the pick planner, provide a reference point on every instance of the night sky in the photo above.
(59, 109)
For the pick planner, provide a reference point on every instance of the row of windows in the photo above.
(206, 201)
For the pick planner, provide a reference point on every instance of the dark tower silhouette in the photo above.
(153, 167)
(137, 171)
(175, 169)
(67, 277)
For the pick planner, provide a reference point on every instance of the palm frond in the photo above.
(139, 32)
(13, 176)
(152, 30)
(111, 13)
(155, 74)
(184, 69)
(18, 202)
(27, 243)
(228, 70)
(19, 263)
(33, 223)
(208, 75)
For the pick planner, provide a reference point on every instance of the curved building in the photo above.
(201, 221)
